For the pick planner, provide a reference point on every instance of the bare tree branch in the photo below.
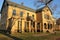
(49, 3)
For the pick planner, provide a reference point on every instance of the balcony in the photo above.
(29, 18)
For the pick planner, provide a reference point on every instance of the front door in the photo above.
(38, 27)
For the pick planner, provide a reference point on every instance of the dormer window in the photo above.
(14, 12)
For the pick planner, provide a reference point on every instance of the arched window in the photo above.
(49, 26)
(33, 16)
(14, 12)
(45, 26)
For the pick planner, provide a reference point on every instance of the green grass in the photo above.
(37, 36)
(3, 37)
(30, 36)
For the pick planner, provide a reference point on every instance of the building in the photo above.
(58, 24)
(45, 18)
(19, 18)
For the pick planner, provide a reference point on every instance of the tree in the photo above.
(48, 3)
(42, 2)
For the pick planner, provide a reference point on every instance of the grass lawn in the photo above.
(3, 37)
(38, 36)
(30, 36)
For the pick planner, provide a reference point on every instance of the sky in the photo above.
(30, 3)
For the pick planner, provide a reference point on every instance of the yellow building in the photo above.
(45, 18)
(19, 18)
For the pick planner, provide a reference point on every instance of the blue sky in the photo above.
(30, 3)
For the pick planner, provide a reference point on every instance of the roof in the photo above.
(17, 5)
(23, 7)
(40, 9)
(20, 6)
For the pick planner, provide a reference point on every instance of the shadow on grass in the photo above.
(13, 37)
(58, 39)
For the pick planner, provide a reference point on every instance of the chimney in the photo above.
(22, 3)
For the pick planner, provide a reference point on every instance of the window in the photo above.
(14, 12)
(49, 26)
(46, 16)
(33, 16)
(38, 25)
(28, 17)
(21, 14)
(45, 26)
(27, 14)
(33, 24)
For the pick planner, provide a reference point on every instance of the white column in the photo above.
(35, 26)
(29, 26)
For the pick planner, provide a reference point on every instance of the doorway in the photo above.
(38, 27)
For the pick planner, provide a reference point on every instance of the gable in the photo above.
(47, 10)
(4, 6)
